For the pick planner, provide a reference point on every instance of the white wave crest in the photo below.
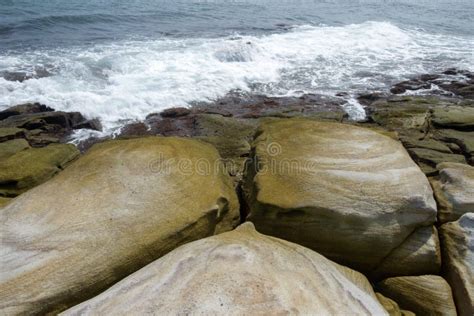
(127, 80)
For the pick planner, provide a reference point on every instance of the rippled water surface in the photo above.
(121, 60)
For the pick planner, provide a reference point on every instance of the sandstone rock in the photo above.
(8, 133)
(454, 191)
(4, 201)
(351, 194)
(465, 140)
(31, 167)
(457, 244)
(392, 307)
(402, 112)
(120, 206)
(424, 295)
(433, 157)
(11, 147)
(456, 117)
(24, 109)
(238, 273)
(419, 254)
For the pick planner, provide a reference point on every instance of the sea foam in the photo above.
(127, 80)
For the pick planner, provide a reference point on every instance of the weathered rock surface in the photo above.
(41, 125)
(392, 307)
(351, 194)
(433, 129)
(30, 167)
(418, 254)
(454, 191)
(117, 208)
(11, 147)
(451, 82)
(423, 295)
(457, 244)
(456, 117)
(238, 273)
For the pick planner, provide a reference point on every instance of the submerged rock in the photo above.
(457, 245)
(117, 208)
(350, 193)
(238, 273)
(424, 295)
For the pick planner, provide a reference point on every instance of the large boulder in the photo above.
(117, 208)
(454, 190)
(238, 273)
(30, 167)
(350, 193)
(419, 253)
(424, 295)
(457, 240)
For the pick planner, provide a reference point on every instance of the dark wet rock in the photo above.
(257, 106)
(40, 125)
(135, 129)
(7, 133)
(175, 112)
(451, 82)
(415, 84)
(93, 124)
(24, 109)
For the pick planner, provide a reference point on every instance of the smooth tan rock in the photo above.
(457, 244)
(351, 194)
(454, 191)
(424, 295)
(392, 307)
(122, 205)
(238, 273)
(419, 254)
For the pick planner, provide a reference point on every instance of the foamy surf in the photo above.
(129, 79)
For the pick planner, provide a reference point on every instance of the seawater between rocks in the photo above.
(119, 61)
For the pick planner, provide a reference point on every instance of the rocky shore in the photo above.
(248, 205)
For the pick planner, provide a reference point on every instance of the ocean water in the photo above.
(121, 60)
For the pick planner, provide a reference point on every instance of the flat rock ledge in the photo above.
(117, 208)
(238, 273)
(349, 193)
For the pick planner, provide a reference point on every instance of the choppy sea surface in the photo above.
(121, 60)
